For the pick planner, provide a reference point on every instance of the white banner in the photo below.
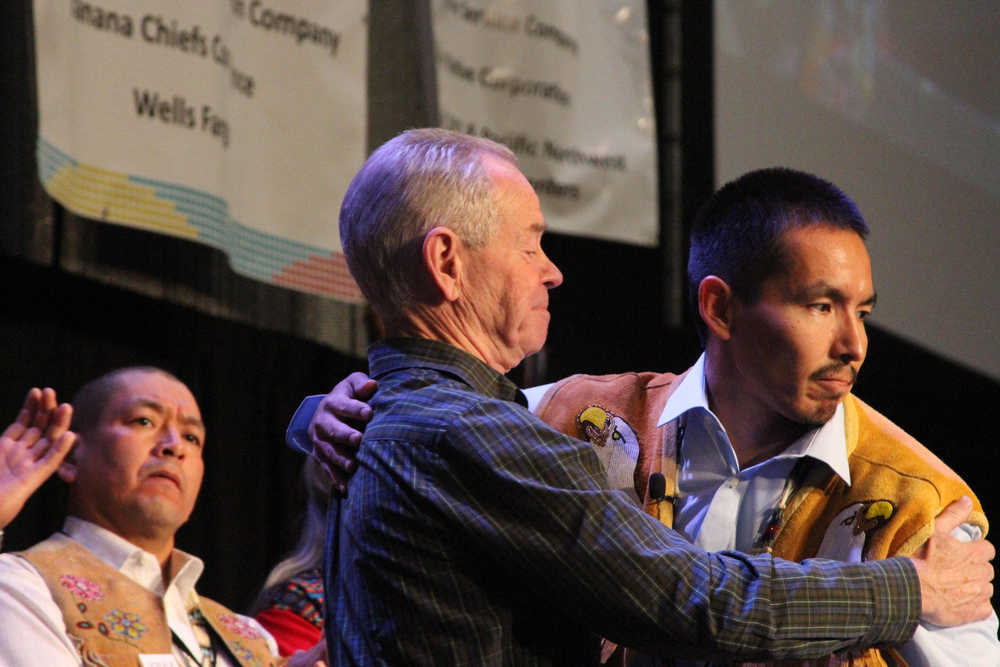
(566, 86)
(235, 123)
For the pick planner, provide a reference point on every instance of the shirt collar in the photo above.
(827, 443)
(690, 394)
(138, 565)
(394, 354)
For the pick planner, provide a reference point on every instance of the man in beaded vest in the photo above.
(110, 588)
(760, 446)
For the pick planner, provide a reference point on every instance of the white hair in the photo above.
(419, 180)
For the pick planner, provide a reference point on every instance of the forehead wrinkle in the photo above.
(529, 233)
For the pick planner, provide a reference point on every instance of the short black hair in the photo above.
(89, 401)
(737, 235)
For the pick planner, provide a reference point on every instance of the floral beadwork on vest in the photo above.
(117, 624)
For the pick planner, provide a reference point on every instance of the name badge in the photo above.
(157, 660)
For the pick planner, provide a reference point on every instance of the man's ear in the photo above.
(67, 470)
(715, 306)
(443, 260)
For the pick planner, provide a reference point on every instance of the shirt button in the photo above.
(733, 482)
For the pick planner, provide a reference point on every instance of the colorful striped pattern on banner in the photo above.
(161, 207)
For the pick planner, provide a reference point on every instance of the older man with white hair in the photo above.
(476, 534)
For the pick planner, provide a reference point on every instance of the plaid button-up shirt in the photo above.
(475, 534)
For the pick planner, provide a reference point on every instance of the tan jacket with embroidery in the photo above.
(111, 620)
(897, 485)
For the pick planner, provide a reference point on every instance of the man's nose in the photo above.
(852, 341)
(170, 443)
(552, 277)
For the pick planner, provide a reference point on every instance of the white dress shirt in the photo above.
(32, 630)
(722, 507)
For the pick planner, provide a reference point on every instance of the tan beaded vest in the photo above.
(898, 486)
(112, 620)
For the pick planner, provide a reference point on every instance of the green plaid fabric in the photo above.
(474, 534)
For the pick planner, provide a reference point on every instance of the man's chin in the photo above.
(535, 341)
(819, 413)
(161, 512)
(532, 349)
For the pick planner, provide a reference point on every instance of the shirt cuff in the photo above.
(897, 601)
(297, 434)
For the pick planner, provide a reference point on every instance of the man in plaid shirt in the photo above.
(476, 534)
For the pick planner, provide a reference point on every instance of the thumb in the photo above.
(953, 515)
(367, 390)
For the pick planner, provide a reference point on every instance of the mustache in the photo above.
(837, 371)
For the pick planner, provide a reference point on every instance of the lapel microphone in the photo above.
(658, 489)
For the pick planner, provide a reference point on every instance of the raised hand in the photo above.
(31, 449)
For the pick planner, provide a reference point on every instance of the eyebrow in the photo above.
(821, 289)
(534, 231)
(158, 407)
